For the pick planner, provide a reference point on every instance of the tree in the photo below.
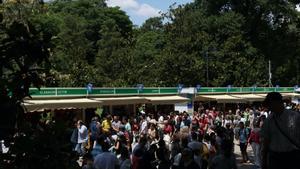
(237, 37)
(270, 28)
(113, 58)
(149, 42)
(24, 51)
(153, 24)
(82, 28)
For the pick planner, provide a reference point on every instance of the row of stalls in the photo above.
(86, 108)
(241, 98)
(227, 102)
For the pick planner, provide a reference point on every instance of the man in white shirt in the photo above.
(144, 127)
(82, 138)
(161, 124)
(116, 124)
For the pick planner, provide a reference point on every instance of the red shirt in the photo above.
(168, 129)
(203, 122)
(135, 127)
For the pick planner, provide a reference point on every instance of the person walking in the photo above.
(106, 124)
(254, 141)
(243, 134)
(280, 135)
(143, 124)
(95, 130)
(82, 138)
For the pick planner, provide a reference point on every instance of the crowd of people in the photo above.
(202, 140)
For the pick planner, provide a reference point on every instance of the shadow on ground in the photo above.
(239, 158)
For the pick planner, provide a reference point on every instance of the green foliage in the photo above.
(216, 42)
(24, 51)
(25, 47)
(233, 39)
(92, 41)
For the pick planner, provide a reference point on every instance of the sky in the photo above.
(141, 10)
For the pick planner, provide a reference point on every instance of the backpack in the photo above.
(247, 132)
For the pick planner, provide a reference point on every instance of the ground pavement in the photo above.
(239, 157)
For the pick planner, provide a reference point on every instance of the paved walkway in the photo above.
(239, 158)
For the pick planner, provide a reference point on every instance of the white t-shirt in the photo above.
(227, 121)
(266, 114)
(161, 122)
(116, 124)
(106, 160)
(243, 120)
(82, 134)
(144, 127)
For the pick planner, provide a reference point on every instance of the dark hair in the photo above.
(80, 122)
(105, 146)
(187, 152)
(200, 137)
(161, 143)
(184, 142)
(103, 142)
(194, 135)
(272, 96)
(143, 139)
(220, 131)
(207, 137)
(124, 152)
(125, 119)
(88, 156)
(257, 123)
(152, 148)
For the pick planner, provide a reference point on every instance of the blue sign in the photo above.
(190, 105)
(140, 87)
(229, 87)
(180, 86)
(276, 88)
(89, 87)
(254, 87)
(198, 87)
